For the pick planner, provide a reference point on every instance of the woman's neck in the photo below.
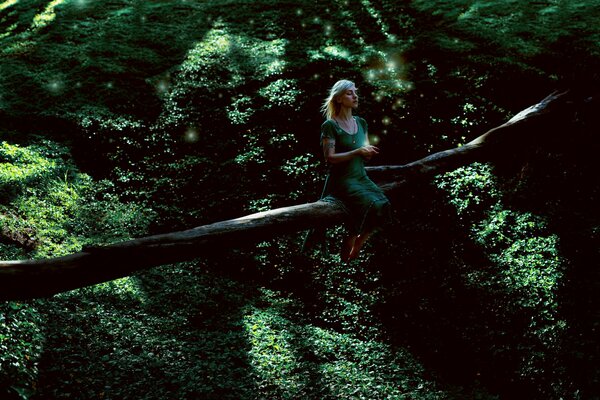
(345, 114)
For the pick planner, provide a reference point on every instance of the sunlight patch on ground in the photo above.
(127, 288)
(527, 258)
(296, 360)
(47, 16)
(241, 55)
(271, 354)
(8, 3)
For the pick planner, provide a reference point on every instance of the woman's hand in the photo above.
(368, 151)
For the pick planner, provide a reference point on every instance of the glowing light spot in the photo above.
(55, 86)
(299, 12)
(399, 103)
(191, 135)
(374, 139)
(386, 120)
(110, 85)
(163, 86)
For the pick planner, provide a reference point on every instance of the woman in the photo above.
(346, 147)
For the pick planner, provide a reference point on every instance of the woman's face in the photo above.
(349, 98)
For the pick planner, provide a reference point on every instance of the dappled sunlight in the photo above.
(128, 119)
(271, 354)
(47, 16)
(524, 251)
(304, 361)
(223, 61)
(49, 209)
(242, 52)
(385, 29)
(126, 289)
(488, 19)
(330, 52)
(7, 4)
(387, 71)
(21, 165)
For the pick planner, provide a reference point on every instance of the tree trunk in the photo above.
(37, 278)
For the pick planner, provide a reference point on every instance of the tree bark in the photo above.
(25, 279)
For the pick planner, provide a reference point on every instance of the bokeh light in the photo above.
(191, 135)
(55, 86)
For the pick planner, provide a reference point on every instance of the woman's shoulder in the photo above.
(363, 122)
(328, 123)
(328, 130)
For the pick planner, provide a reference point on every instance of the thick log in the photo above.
(25, 279)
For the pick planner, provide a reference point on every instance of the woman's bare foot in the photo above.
(347, 247)
(358, 244)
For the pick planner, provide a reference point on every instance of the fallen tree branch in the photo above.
(38, 278)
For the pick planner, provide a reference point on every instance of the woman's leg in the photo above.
(358, 244)
(347, 247)
(378, 213)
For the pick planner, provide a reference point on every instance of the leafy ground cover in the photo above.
(125, 118)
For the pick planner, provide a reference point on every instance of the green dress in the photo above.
(347, 182)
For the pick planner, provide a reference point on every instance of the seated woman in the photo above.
(346, 148)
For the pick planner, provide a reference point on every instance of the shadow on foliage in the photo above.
(454, 328)
(466, 331)
(560, 182)
(171, 332)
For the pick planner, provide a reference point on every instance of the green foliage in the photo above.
(21, 344)
(471, 189)
(52, 209)
(528, 268)
(48, 209)
(143, 339)
(281, 93)
(183, 113)
(527, 29)
(340, 366)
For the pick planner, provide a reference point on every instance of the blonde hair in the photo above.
(330, 107)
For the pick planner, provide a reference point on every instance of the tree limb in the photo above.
(38, 278)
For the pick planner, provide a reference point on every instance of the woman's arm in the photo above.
(332, 157)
